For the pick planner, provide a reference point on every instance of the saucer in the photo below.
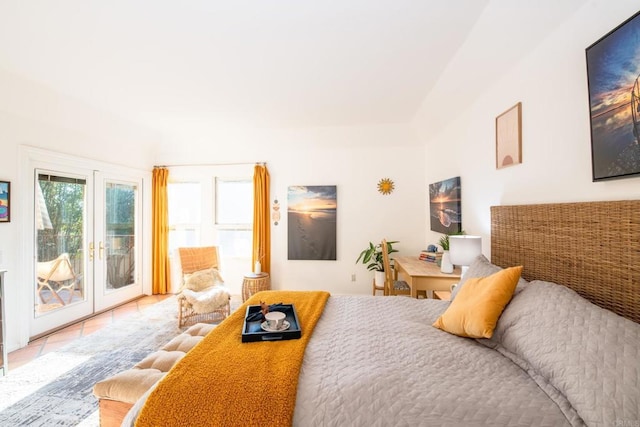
(265, 326)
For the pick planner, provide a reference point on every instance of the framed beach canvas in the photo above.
(311, 216)
(509, 137)
(445, 207)
(5, 201)
(613, 74)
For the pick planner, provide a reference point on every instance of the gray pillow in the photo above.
(482, 267)
(583, 356)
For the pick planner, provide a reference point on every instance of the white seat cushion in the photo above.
(207, 300)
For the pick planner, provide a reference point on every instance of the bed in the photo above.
(560, 355)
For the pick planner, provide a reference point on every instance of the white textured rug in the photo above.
(55, 389)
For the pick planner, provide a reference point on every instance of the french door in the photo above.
(117, 242)
(87, 243)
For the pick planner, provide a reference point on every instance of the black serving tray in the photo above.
(251, 331)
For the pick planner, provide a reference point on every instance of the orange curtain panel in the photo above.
(160, 232)
(261, 225)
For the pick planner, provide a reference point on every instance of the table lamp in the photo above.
(463, 250)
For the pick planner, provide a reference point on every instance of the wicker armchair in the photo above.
(203, 298)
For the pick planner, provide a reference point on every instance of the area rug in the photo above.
(56, 389)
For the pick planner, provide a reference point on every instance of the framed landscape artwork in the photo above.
(613, 74)
(445, 207)
(311, 215)
(509, 137)
(5, 201)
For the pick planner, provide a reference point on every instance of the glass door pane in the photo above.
(60, 225)
(120, 234)
(117, 224)
(62, 284)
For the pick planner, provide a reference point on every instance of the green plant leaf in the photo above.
(444, 239)
(372, 256)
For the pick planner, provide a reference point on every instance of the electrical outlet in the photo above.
(353, 277)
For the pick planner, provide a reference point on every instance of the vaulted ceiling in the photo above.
(166, 64)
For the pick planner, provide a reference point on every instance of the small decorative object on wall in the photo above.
(509, 137)
(385, 186)
(311, 216)
(275, 216)
(444, 206)
(613, 74)
(5, 201)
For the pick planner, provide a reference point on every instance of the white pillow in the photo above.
(211, 299)
(202, 279)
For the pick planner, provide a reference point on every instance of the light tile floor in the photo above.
(64, 336)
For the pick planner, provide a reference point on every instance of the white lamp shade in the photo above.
(464, 249)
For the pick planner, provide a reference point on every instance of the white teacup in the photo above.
(275, 319)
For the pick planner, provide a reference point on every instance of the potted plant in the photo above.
(444, 242)
(372, 258)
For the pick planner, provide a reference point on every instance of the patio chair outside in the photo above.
(56, 276)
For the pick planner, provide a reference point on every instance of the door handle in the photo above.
(101, 251)
(90, 251)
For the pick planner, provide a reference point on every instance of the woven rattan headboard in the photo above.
(593, 248)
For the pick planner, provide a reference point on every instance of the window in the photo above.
(184, 214)
(234, 215)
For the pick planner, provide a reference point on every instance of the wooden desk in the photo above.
(424, 276)
(442, 295)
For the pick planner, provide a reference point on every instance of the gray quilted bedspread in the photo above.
(378, 362)
(554, 360)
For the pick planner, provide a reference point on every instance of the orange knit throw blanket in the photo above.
(225, 382)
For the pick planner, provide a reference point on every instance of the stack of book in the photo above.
(430, 256)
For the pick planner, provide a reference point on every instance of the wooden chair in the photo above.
(392, 286)
(377, 288)
(55, 276)
(201, 262)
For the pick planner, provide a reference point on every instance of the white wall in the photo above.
(32, 115)
(535, 57)
(354, 159)
(551, 82)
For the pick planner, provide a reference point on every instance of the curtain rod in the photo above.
(210, 164)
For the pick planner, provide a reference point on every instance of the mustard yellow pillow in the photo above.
(479, 304)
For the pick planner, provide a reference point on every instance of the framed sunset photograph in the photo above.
(613, 74)
(445, 206)
(311, 216)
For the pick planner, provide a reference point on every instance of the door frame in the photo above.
(25, 238)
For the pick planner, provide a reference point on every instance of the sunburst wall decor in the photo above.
(385, 186)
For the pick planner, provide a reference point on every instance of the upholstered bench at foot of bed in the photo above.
(118, 393)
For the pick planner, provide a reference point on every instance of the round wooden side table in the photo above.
(253, 283)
